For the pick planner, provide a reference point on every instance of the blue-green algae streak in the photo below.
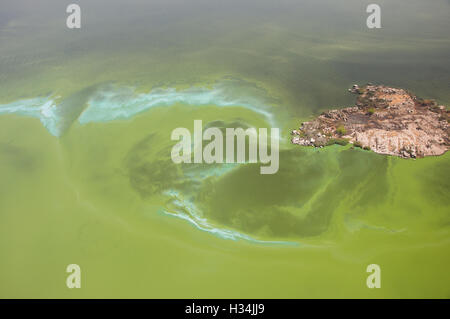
(87, 177)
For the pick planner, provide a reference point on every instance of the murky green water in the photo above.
(86, 174)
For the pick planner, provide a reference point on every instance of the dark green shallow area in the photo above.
(98, 195)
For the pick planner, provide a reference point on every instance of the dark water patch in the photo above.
(222, 125)
(435, 183)
(255, 203)
(71, 107)
(374, 187)
(16, 157)
(147, 175)
(365, 172)
(362, 182)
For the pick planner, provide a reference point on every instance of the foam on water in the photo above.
(186, 210)
(109, 103)
(123, 103)
(213, 170)
(42, 108)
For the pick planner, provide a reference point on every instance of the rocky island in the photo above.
(385, 120)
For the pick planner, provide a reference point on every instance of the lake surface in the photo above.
(87, 178)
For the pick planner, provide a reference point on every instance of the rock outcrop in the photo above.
(385, 120)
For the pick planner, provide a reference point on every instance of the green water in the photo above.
(101, 194)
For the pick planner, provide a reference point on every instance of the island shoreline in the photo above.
(386, 120)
